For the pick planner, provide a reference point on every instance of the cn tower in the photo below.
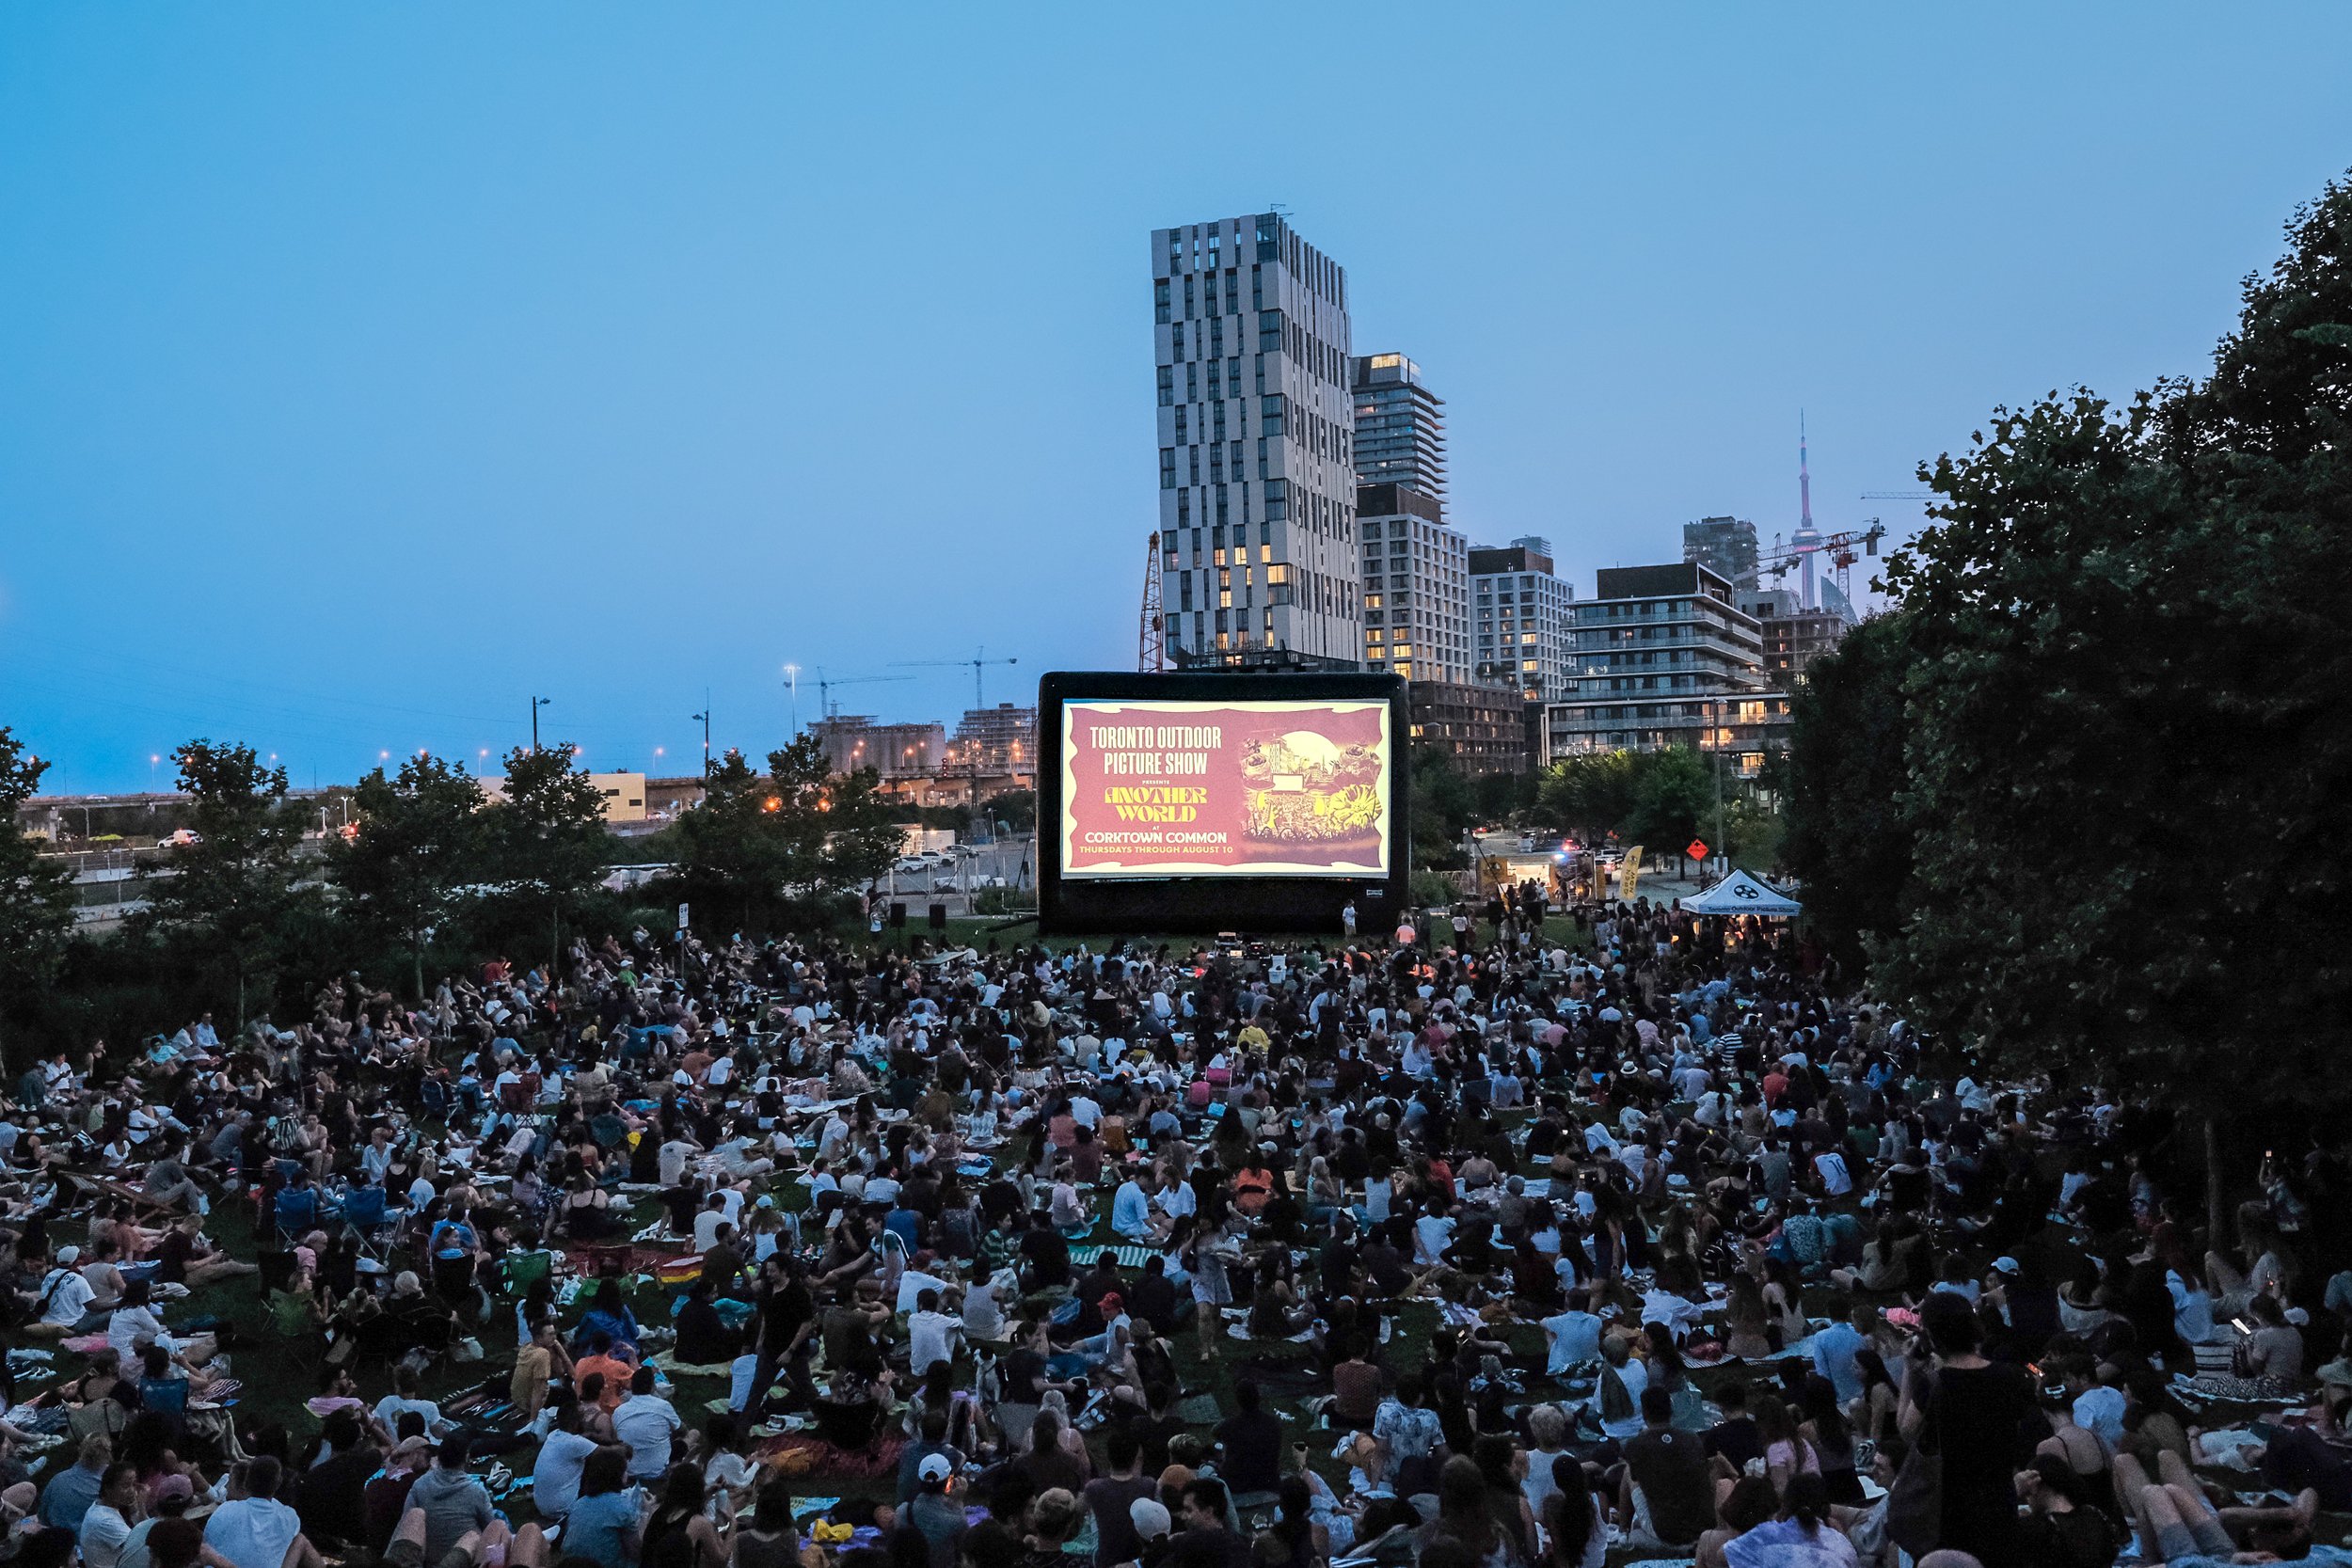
(1807, 541)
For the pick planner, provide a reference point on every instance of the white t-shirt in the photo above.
(69, 1301)
(645, 1422)
(388, 1409)
(931, 1338)
(252, 1532)
(555, 1479)
(1573, 1337)
(104, 1531)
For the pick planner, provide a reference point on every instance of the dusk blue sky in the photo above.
(365, 370)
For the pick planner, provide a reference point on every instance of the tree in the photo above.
(2128, 758)
(231, 899)
(1674, 801)
(1503, 797)
(838, 827)
(1015, 808)
(728, 860)
(1593, 795)
(1847, 834)
(35, 895)
(760, 846)
(419, 847)
(1442, 806)
(546, 839)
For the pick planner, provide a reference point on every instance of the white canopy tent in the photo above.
(1740, 894)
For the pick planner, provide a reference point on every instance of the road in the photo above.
(1008, 858)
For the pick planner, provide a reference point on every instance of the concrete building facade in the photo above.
(1256, 444)
(1484, 728)
(852, 742)
(1665, 657)
(1793, 636)
(995, 740)
(1415, 585)
(1522, 620)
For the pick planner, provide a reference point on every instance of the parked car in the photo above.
(180, 838)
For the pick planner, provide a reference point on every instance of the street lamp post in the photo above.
(536, 704)
(703, 719)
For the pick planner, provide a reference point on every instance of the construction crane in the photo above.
(1151, 633)
(826, 706)
(978, 663)
(1839, 547)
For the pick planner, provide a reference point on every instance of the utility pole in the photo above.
(536, 704)
(1723, 845)
(703, 719)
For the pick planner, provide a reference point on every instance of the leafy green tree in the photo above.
(728, 860)
(1015, 808)
(1593, 795)
(233, 900)
(1674, 801)
(760, 846)
(838, 829)
(546, 839)
(419, 847)
(35, 895)
(1503, 797)
(1753, 829)
(2127, 758)
(1442, 805)
(1849, 836)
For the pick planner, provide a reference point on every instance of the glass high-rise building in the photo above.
(1400, 426)
(1256, 444)
(1725, 546)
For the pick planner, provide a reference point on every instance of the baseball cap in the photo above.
(1111, 1299)
(934, 1467)
(174, 1485)
(2007, 1265)
(1149, 1517)
(69, 1256)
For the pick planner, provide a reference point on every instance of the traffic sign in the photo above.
(1696, 849)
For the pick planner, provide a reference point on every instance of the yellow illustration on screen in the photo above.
(1305, 786)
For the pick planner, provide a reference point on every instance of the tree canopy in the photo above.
(232, 900)
(761, 846)
(35, 897)
(1849, 836)
(2121, 669)
(420, 848)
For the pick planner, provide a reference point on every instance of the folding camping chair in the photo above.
(367, 1214)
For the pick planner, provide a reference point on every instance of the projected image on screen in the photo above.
(1204, 789)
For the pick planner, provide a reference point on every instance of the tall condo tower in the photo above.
(1256, 444)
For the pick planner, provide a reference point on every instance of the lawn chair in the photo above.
(518, 1271)
(296, 1213)
(367, 1213)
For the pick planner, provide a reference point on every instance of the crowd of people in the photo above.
(1626, 1236)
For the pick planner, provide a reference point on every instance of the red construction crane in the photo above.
(1838, 548)
(1152, 631)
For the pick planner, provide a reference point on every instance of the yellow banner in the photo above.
(1630, 873)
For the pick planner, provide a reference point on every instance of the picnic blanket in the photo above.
(1127, 1257)
(804, 1453)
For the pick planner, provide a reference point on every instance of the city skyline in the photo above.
(380, 375)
